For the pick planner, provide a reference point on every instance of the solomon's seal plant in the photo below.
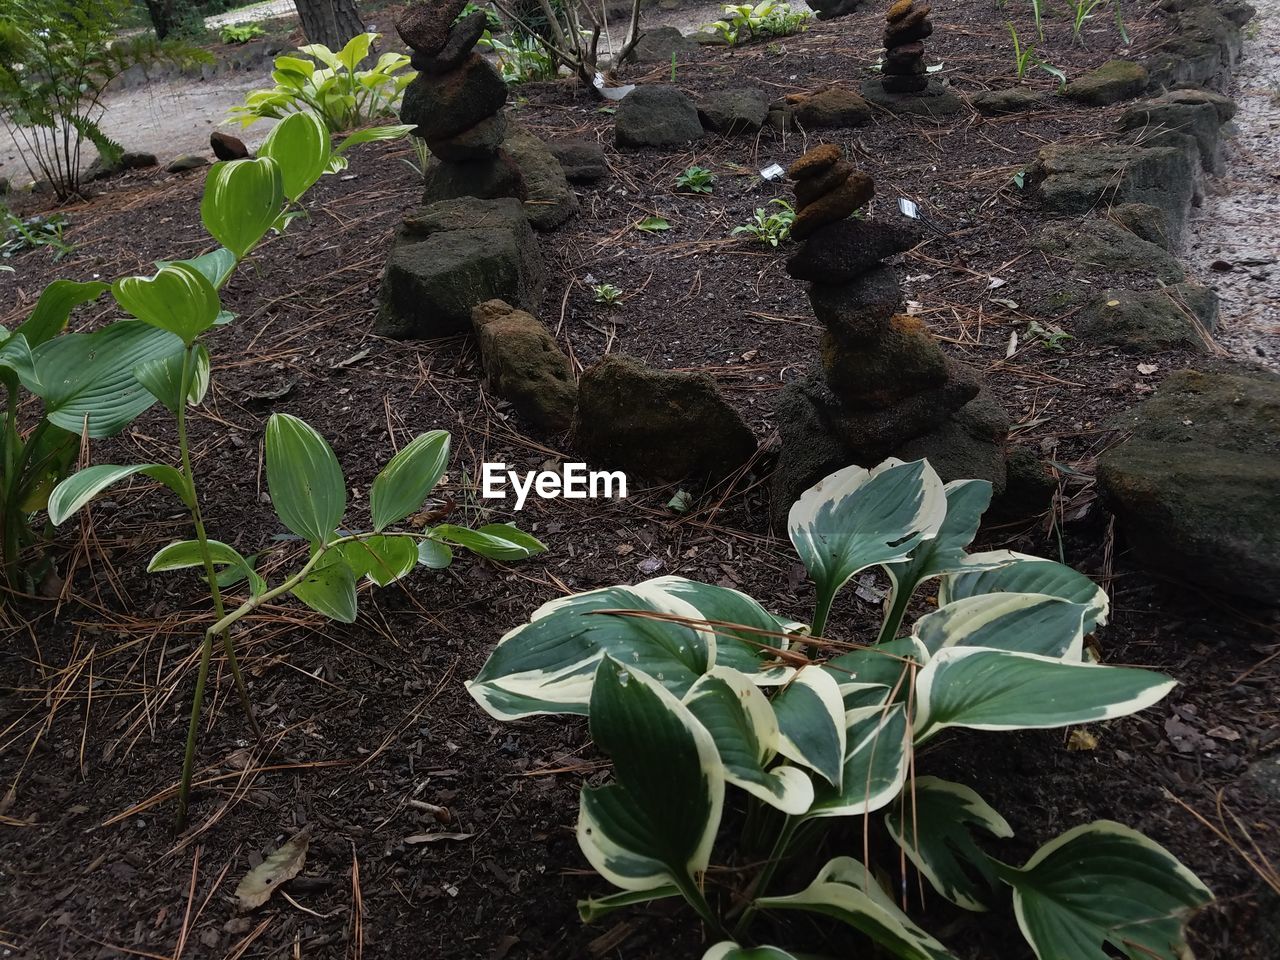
(693, 689)
(243, 201)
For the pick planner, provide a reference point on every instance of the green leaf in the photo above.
(967, 500)
(728, 950)
(652, 225)
(304, 479)
(875, 763)
(242, 199)
(330, 589)
(404, 483)
(357, 49)
(179, 299)
(434, 555)
(163, 377)
(1103, 883)
(185, 554)
(1003, 571)
(371, 134)
(593, 908)
(997, 690)
(745, 730)
(934, 823)
(382, 559)
(811, 726)
(886, 665)
(846, 890)
(1021, 622)
(654, 825)
(53, 309)
(299, 144)
(81, 375)
(746, 634)
(857, 518)
(79, 488)
(216, 266)
(494, 541)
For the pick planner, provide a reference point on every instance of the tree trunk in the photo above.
(331, 22)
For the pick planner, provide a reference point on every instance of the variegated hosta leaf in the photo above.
(1021, 622)
(1103, 883)
(857, 518)
(810, 716)
(887, 665)
(747, 634)
(593, 908)
(547, 665)
(933, 822)
(997, 690)
(846, 890)
(1020, 573)
(875, 763)
(728, 950)
(967, 500)
(654, 825)
(742, 724)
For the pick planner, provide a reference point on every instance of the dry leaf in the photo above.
(1082, 740)
(1146, 369)
(434, 837)
(1223, 733)
(283, 865)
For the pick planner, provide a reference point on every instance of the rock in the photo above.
(856, 311)
(452, 256)
(899, 95)
(1147, 221)
(549, 201)
(227, 147)
(844, 251)
(188, 161)
(855, 192)
(1077, 180)
(447, 105)
(832, 107)
(1106, 245)
(424, 27)
(658, 423)
(524, 365)
(487, 178)
(477, 143)
(902, 360)
(810, 450)
(1157, 121)
(830, 9)
(970, 445)
(1196, 489)
(740, 110)
(1112, 82)
(1263, 778)
(656, 116)
(992, 103)
(816, 161)
(1029, 488)
(814, 188)
(660, 44)
(129, 160)
(583, 161)
(463, 37)
(1180, 316)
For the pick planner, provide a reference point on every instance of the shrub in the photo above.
(242, 32)
(692, 688)
(769, 227)
(696, 180)
(337, 91)
(522, 58)
(769, 18)
(57, 60)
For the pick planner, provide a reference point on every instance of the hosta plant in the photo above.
(694, 689)
(244, 200)
(333, 86)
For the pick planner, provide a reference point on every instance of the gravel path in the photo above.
(1233, 240)
(271, 10)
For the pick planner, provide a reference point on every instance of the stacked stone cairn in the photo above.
(907, 25)
(885, 387)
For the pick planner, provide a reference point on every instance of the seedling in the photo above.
(652, 225)
(39, 231)
(767, 227)
(696, 180)
(607, 294)
(242, 32)
(1051, 337)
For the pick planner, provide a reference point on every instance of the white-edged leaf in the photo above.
(875, 763)
(891, 665)
(998, 690)
(79, 488)
(1021, 622)
(747, 635)
(402, 485)
(654, 825)
(392, 131)
(493, 541)
(186, 554)
(303, 476)
(811, 729)
(728, 950)
(1004, 571)
(857, 518)
(1105, 883)
(847, 891)
(934, 822)
(742, 724)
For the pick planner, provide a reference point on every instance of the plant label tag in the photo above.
(908, 208)
(773, 172)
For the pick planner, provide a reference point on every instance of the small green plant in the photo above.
(44, 230)
(1082, 10)
(1050, 336)
(242, 32)
(493, 22)
(771, 227)
(421, 155)
(696, 180)
(1024, 57)
(332, 86)
(693, 689)
(243, 201)
(522, 59)
(607, 294)
(653, 225)
(769, 18)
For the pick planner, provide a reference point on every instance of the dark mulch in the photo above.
(362, 720)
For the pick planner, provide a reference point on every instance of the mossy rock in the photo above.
(1147, 221)
(994, 103)
(524, 365)
(1112, 82)
(1177, 317)
(1167, 119)
(1097, 244)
